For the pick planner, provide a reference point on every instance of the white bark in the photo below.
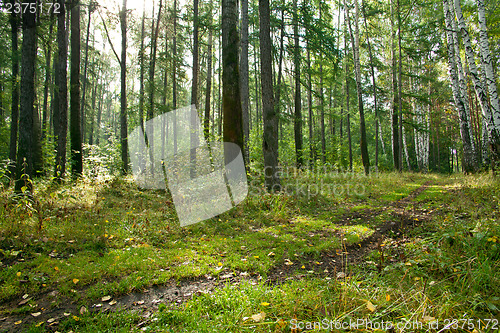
(490, 82)
(469, 158)
(460, 70)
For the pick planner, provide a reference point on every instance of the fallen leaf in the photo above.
(219, 264)
(18, 274)
(75, 281)
(67, 314)
(387, 297)
(76, 318)
(106, 298)
(264, 304)
(140, 302)
(112, 302)
(370, 306)
(51, 320)
(428, 319)
(18, 322)
(270, 254)
(36, 314)
(83, 310)
(340, 275)
(56, 268)
(259, 317)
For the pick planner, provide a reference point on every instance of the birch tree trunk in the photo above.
(123, 90)
(494, 123)
(469, 158)
(75, 111)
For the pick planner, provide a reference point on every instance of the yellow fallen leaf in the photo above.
(18, 322)
(303, 267)
(259, 317)
(370, 306)
(56, 268)
(106, 298)
(18, 274)
(113, 302)
(75, 281)
(256, 257)
(219, 264)
(387, 297)
(428, 319)
(264, 304)
(39, 324)
(76, 318)
(36, 314)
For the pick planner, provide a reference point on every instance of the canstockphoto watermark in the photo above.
(205, 179)
(358, 324)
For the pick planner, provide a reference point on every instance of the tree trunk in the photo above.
(75, 121)
(298, 97)
(347, 97)
(48, 78)
(374, 83)
(395, 118)
(14, 117)
(322, 101)
(357, 67)
(494, 123)
(123, 90)
(208, 94)
(244, 77)
(270, 117)
(90, 8)
(194, 93)
(61, 94)
(469, 158)
(400, 93)
(309, 107)
(231, 98)
(141, 71)
(27, 139)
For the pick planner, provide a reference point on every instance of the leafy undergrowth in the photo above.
(354, 248)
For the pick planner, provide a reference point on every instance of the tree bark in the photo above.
(14, 117)
(123, 90)
(298, 97)
(208, 94)
(194, 92)
(395, 119)
(61, 94)
(244, 77)
(90, 8)
(231, 98)
(27, 138)
(75, 120)
(270, 117)
(494, 123)
(469, 158)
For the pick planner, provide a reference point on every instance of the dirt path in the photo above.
(333, 264)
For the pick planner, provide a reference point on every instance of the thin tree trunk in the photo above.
(270, 117)
(469, 158)
(206, 120)
(84, 89)
(357, 67)
(194, 92)
(374, 83)
(123, 90)
(347, 97)
(395, 118)
(494, 123)
(27, 139)
(231, 98)
(244, 77)
(14, 117)
(298, 97)
(75, 120)
(309, 108)
(400, 88)
(48, 78)
(61, 94)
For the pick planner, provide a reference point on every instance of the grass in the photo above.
(112, 238)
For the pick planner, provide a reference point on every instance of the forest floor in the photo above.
(400, 253)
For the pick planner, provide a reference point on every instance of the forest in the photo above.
(249, 166)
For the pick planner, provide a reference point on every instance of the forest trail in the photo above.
(331, 264)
